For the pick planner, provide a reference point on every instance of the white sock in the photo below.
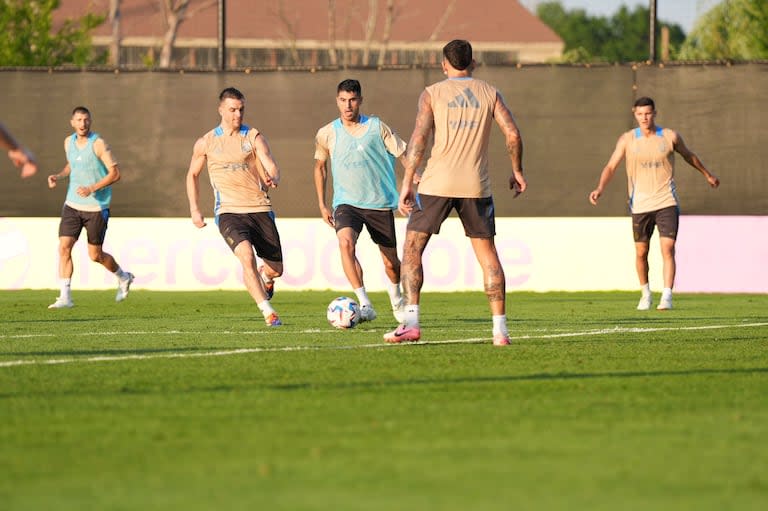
(395, 295)
(666, 292)
(645, 289)
(500, 324)
(362, 297)
(266, 308)
(66, 288)
(412, 315)
(120, 274)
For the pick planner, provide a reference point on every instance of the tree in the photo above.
(174, 14)
(27, 37)
(332, 56)
(732, 30)
(117, 36)
(288, 29)
(389, 19)
(368, 29)
(621, 38)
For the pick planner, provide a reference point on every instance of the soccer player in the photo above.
(362, 151)
(18, 154)
(649, 152)
(92, 170)
(241, 169)
(459, 112)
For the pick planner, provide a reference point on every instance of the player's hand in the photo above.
(593, 196)
(52, 179)
(327, 216)
(713, 181)
(84, 191)
(517, 183)
(198, 220)
(23, 160)
(406, 204)
(269, 180)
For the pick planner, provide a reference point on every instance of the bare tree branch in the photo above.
(289, 29)
(442, 21)
(334, 59)
(174, 14)
(369, 29)
(117, 37)
(389, 19)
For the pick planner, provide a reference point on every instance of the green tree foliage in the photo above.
(732, 30)
(622, 37)
(27, 37)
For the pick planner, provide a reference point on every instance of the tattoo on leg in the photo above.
(495, 285)
(412, 272)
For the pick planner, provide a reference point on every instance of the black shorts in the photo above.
(477, 215)
(95, 223)
(380, 223)
(258, 229)
(666, 219)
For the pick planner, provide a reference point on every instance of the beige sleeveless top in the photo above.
(650, 171)
(463, 114)
(237, 187)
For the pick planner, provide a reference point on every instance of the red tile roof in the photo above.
(483, 22)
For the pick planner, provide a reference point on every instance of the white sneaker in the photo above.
(665, 303)
(62, 303)
(367, 313)
(399, 311)
(123, 286)
(645, 303)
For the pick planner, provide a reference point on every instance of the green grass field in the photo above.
(186, 401)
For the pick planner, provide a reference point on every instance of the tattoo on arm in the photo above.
(513, 140)
(417, 146)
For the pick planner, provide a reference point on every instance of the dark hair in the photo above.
(231, 92)
(350, 85)
(458, 53)
(645, 101)
(81, 110)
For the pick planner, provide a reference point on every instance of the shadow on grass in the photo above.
(411, 382)
(511, 378)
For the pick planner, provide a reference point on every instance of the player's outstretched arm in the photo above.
(54, 178)
(417, 148)
(270, 172)
(18, 155)
(609, 170)
(102, 151)
(196, 165)
(321, 178)
(693, 160)
(514, 142)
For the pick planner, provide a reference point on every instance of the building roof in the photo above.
(488, 24)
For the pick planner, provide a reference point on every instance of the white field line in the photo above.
(241, 351)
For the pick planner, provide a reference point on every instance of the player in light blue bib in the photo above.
(362, 151)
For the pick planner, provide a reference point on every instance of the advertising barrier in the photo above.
(714, 254)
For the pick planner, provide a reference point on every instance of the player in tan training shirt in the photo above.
(649, 153)
(459, 112)
(241, 169)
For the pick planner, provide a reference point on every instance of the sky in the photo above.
(682, 12)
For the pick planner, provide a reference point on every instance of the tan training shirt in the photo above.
(463, 114)
(650, 170)
(231, 160)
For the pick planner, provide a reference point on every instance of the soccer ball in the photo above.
(343, 313)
